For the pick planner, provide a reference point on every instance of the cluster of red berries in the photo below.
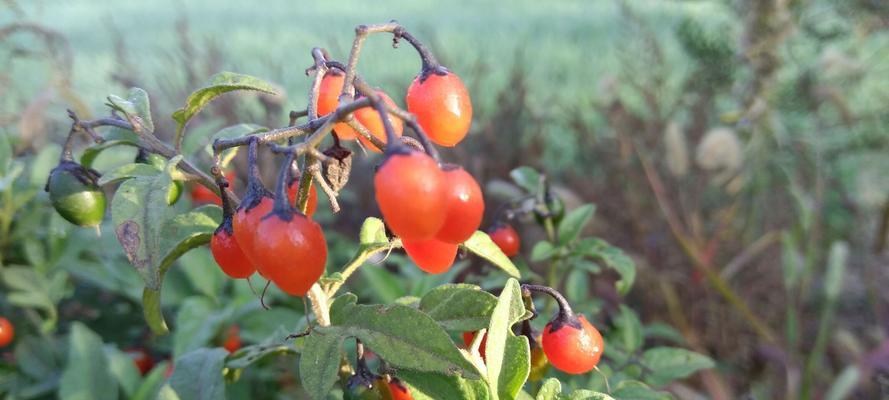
(431, 208)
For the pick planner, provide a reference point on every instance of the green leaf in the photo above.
(90, 153)
(86, 375)
(373, 232)
(135, 107)
(123, 368)
(152, 383)
(613, 258)
(152, 238)
(542, 251)
(526, 177)
(670, 363)
(630, 329)
(482, 245)
(36, 356)
(550, 390)
(29, 289)
(248, 355)
(198, 375)
(508, 357)
(386, 286)
(320, 361)
(583, 394)
(231, 132)
(166, 392)
(43, 163)
(635, 390)
(196, 325)
(129, 171)
(459, 307)
(220, 83)
(570, 227)
(403, 336)
(432, 386)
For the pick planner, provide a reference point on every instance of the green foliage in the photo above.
(218, 84)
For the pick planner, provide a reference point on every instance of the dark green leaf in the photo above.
(220, 83)
(386, 286)
(527, 178)
(86, 375)
(35, 356)
(574, 222)
(432, 386)
(482, 245)
(198, 375)
(542, 251)
(320, 361)
(670, 363)
(196, 325)
(459, 307)
(401, 335)
(151, 383)
(635, 390)
(123, 368)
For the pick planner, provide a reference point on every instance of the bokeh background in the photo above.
(737, 150)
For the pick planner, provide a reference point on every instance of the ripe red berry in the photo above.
(141, 359)
(398, 390)
(328, 100)
(370, 118)
(506, 238)
(245, 224)
(573, 346)
(410, 191)
(201, 195)
(290, 250)
(311, 205)
(431, 255)
(468, 337)
(465, 206)
(7, 332)
(232, 339)
(442, 106)
(228, 253)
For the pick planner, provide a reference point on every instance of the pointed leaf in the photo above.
(86, 375)
(136, 108)
(220, 83)
(670, 363)
(573, 223)
(124, 370)
(320, 361)
(373, 232)
(128, 171)
(482, 245)
(550, 390)
(508, 358)
(432, 386)
(526, 177)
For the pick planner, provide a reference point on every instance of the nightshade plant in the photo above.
(430, 209)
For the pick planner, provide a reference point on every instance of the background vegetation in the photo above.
(735, 149)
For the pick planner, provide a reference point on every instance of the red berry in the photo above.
(370, 118)
(506, 238)
(7, 332)
(291, 251)
(141, 359)
(312, 205)
(465, 206)
(201, 195)
(245, 223)
(328, 100)
(398, 390)
(468, 337)
(574, 347)
(431, 255)
(442, 106)
(410, 191)
(232, 339)
(228, 253)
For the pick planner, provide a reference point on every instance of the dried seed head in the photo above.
(336, 172)
(720, 149)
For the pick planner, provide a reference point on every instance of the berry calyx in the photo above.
(571, 344)
(468, 337)
(506, 238)
(225, 247)
(289, 248)
(431, 255)
(370, 118)
(442, 106)
(257, 203)
(75, 194)
(410, 189)
(465, 206)
(7, 332)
